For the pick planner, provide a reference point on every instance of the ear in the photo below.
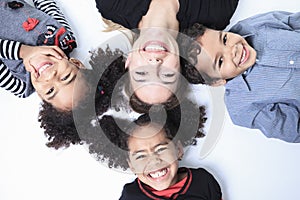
(128, 60)
(179, 148)
(218, 83)
(77, 63)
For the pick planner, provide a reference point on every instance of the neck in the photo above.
(161, 14)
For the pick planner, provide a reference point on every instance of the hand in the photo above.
(27, 52)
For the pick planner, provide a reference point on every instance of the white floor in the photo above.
(247, 165)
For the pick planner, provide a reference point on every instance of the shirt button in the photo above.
(292, 62)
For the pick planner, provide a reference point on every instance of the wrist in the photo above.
(22, 50)
(17, 50)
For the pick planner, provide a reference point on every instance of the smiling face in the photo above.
(54, 79)
(154, 65)
(153, 157)
(224, 55)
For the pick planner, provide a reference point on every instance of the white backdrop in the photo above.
(247, 165)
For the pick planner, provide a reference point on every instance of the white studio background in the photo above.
(247, 165)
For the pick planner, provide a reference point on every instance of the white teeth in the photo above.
(158, 173)
(41, 69)
(155, 47)
(243, 56)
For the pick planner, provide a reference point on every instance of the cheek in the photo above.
(173, 63)
(36, 85)
(253, 55)
(169, 157)
(229, 70)
(138, 166)
(136, 61)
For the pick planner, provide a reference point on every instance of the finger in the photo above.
(58, 52)
(30, 68)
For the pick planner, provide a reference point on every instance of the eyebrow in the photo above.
(140, 80)
(160, 144)
(170, 82)
(220, 41)
(136, 152)
(141, 151)
(55, 93)
(144, 80)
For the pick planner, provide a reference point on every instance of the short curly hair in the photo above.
(108, 140)
(59, 126)
(189, 49)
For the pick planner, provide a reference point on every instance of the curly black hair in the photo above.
(82, 124)
(189, 49)
(60, 126)
(108, 137)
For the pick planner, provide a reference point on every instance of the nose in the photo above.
(231, 51)
(155, 60)
(154, 159)
(50, 75)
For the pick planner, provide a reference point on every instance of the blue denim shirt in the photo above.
(267, 96)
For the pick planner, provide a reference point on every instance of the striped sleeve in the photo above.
(11, 83)
(10, 49)
(49, 7)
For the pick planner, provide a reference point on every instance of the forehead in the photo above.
(70, 95)
(209, 36)
(148, 134)
(154, 93)
(64, 98)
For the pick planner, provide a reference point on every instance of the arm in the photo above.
(13, 50)
(11, 83)
(63, 36)
(294, 21)
(26, 52)
(50, 8)
(280, 120)
(213, 187)
(274, 19)
(287, 20)
(9, 49)
(127, 13)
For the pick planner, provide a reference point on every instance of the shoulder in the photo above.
(130, 191)
(200, 172)
(207, 13)
(122, 5)
(204, 184)
(272, 19)
(203, 175)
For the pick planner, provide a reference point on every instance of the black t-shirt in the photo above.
(214, 14)
(199, 185)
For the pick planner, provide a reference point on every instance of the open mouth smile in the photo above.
(244, 56)
(155, 47)
(159, 174)
(42, 67)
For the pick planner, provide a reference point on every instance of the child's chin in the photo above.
(160, 188)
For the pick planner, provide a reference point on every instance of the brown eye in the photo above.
(160, 150)
(50, 91)
(225, 39)
(141, 73)
(168, 75)
(140, 157)
(65, 77)
(220, 62)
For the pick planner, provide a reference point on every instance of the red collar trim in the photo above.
(183, 190)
